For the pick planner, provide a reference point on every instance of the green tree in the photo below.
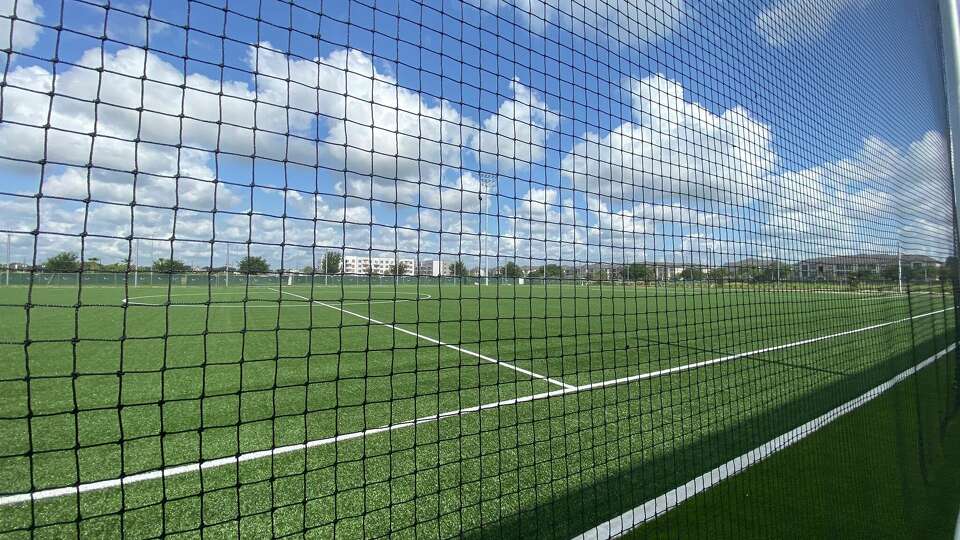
(894, 272)
(638, 272)
(890, 273)
(719, 276)
(308, 270)
(170, 266)
(948, 272)
(253, 265)
(909, 273)
(691, 274)
(553, 271)
(512, 270)
(783, 272)
(65, 261)
(457, 268)
(855, 279)
(121, 266)
(398, 269)
(330, 264)
(748, 273)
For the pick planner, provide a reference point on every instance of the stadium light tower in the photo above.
(488, 184)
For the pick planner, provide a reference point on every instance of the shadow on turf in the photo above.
(578, 511)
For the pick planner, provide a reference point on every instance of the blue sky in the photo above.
(661, 130)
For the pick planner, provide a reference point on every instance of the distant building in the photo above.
(667, 271)
(752, 268)
(839, 267)
(352, 264)
(433, 268)
(603, 271)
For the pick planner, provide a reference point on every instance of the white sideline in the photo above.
(658, 506)
(437, 342)
(250, 456)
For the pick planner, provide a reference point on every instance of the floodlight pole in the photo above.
(8, 260)
(136, 263)
(899, 270)
(488, 183)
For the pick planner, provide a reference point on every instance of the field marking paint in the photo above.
(429, 339)
(251, 303)
(250, 456)
(659, 506)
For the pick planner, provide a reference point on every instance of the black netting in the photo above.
(436, 269)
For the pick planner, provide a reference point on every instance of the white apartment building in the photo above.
(353, 264)
(432, 268)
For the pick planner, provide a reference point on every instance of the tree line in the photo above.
(68, 262)
(330, 263)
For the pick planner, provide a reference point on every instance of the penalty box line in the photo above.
(187, 468)
(429, 339)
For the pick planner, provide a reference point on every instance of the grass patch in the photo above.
(888, 469)
(100, 382)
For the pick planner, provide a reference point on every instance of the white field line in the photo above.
(658, 506)
(251, 303)
(250, 456)
(429, 339)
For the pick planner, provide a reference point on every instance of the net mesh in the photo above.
(437, 269)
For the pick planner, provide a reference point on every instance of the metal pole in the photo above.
(483, 244)
(950, 36)
(488, 182)
(136, 262)
(8, 260)
(227, 267)
(153, 257)
(899, 271)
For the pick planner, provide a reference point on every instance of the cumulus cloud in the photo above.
(517, 135)
(676, 178)
(25, 35)
(552, 224)
(128, 126)
(673, 148)
(884, 198)
(610, 23)
(375, 127)
(792, 21)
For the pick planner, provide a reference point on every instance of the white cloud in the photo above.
(676, 168)
(462, 196)
(607, 22)
(883, 198)
(25, 35)
(381, 129)
(791, 21)
(674, 148)
(517, 135)
(391, 133)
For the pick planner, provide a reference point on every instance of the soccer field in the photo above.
(375, 410)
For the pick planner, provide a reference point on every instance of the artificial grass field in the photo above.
(101, 382)
(887, 470)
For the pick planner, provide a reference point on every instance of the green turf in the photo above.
(887, 470)
(92, 388)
